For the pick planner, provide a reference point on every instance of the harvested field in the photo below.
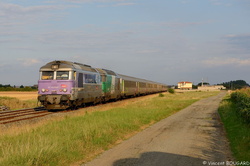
(20, 95)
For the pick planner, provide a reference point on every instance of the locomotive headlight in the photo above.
(55, 66)
(64, 90)
(44, 90)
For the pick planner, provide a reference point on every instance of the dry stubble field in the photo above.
(18, 100)
(20, 95)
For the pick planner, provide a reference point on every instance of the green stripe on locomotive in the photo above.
(106, 86)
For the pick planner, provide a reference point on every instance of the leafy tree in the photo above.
(204, 83)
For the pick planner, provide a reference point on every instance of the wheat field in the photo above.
(20, 95)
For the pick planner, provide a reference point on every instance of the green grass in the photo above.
(238, 131)
(80, 138)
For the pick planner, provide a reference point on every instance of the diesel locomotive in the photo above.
(64, 84)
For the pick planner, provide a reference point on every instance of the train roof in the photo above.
(110, 72)
(68, 64)
(102, 72)
(129, 78)
(75, 65)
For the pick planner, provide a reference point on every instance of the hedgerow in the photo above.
(242, 100)
(18, 89)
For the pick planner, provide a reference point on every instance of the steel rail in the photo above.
(16, 115)
(20, 115)
(33, 117)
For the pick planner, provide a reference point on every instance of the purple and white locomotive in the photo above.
(65, 84)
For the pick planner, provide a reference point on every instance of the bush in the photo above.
(170, 90)
(161, 95)
(242, 100)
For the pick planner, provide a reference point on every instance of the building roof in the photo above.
(184, 82)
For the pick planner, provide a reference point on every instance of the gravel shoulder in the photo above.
(193, 136)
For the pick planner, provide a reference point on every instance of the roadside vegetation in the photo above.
(78, 138)
(242, 100)
(235, 114)
(170, 90)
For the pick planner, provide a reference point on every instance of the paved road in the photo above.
(194, 136)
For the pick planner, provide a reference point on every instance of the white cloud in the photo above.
(238, 42)
(93, 1)
(170, 24)
(124, 4)
(221, 2)
(13, 10)
(12, 15)
(104, 1)
(226, 61)
(27, 62)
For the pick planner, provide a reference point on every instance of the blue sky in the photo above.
(163, 40)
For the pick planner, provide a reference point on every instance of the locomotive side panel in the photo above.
(112, 84)
(89, 88)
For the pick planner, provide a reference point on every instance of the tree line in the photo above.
(237, 84)
(8, 87)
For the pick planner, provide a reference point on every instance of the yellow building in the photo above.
(185, 85)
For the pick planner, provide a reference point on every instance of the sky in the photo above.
(166, 41)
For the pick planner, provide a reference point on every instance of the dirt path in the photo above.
(193, 136)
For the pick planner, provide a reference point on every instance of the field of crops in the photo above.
(18, 100)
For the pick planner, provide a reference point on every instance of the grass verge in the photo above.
(238, 132)
(80, 138)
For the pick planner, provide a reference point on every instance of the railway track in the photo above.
(23, 114)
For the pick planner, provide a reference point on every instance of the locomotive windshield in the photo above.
(62, 75)
(59, 75)
(47, 75)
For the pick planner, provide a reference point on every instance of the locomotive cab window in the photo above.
(62, 75)
(47, 75)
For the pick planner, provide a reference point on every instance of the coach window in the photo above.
(47, 75)
(90, 78)
(62, 75)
